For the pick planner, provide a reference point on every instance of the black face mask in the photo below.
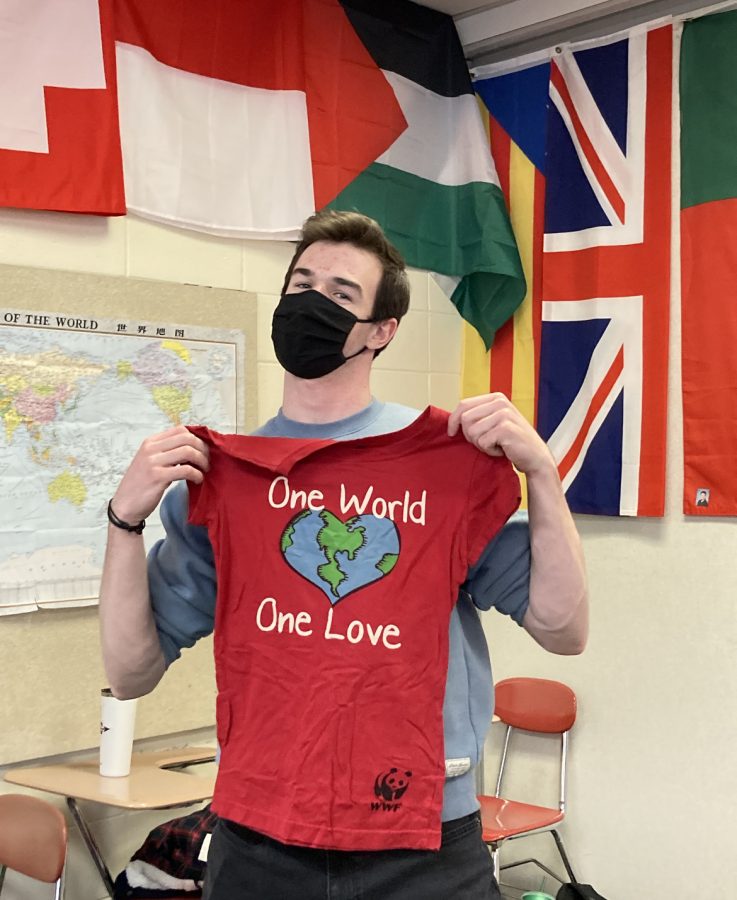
(309, 332)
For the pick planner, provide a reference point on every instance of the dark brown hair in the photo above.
(392, 294)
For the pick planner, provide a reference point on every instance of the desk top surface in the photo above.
(155, 780)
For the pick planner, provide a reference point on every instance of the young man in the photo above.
(344, 294)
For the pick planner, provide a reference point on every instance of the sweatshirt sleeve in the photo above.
(181, 578)
(501, 577)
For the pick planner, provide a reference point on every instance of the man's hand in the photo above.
(172, 455)
(494, 425)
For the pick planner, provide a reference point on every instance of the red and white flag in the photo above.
(245, 119)
(59, 139)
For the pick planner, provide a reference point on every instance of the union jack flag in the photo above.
(597, 231)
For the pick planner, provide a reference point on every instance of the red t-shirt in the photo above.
(338, 564)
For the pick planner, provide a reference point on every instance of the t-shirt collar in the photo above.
(283, 426)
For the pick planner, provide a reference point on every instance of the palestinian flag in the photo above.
(435, 189)
(709, 263)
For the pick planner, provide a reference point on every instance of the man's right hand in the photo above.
(172, 455)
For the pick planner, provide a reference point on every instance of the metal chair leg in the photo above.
(563, 855)
(524, 862)
(84, 830)
(59, 887)
(495, 861)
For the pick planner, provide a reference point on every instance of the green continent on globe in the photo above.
(387, 563)
(337, 537)
(287, 539)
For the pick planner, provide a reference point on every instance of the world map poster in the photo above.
(77, 397)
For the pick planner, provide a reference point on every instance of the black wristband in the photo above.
(119, 523)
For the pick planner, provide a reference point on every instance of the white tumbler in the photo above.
(117, 724)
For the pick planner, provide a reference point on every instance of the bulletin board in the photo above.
(50, 665)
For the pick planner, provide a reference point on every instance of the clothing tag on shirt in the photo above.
(456, 767)
(202, 857)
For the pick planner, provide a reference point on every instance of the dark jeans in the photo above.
(245, 865)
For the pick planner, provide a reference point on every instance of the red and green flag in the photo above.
(708, 89)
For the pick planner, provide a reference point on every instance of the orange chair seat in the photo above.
(501, 818)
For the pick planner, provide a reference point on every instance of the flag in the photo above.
(708, 96)
(606, 273)
(435, 190)
(59, 141)
(517, 130)
(242, 119)
(598, 250)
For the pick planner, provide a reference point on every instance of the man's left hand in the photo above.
(492, 423)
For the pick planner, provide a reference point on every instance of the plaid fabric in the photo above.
(173, 847)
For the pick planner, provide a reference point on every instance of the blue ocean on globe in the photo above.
(340, 557)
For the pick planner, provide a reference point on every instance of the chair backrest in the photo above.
(537, 705)
(33, 837)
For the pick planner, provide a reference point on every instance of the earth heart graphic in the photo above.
(340, 557)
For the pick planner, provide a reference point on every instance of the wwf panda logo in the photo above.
(391, 785)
